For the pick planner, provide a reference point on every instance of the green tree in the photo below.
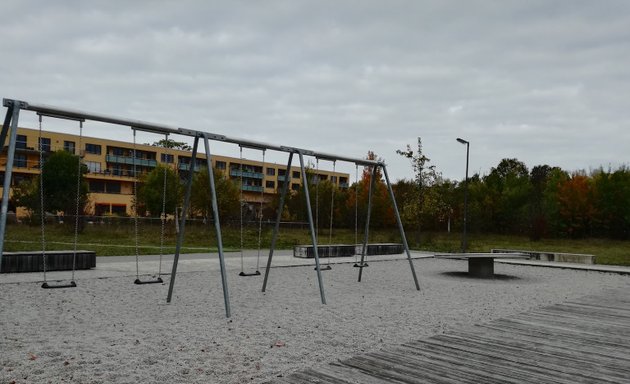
(60, 174)
(539, 218)
(425, 176)
(612, 203)
(228, 195)
(508, 188)
(151, 191)
(170, 143)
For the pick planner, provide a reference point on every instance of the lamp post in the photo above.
(464, 239)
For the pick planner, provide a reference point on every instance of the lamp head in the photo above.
(462, 141)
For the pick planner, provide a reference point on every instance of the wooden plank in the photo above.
(581, 341)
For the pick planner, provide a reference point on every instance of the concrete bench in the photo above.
(578, 258)
(346, 250)
(481, 264)
(55, 261)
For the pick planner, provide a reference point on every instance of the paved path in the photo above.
(580, 341)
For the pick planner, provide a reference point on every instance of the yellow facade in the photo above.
(110, 168)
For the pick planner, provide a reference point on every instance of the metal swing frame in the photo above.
(10, 126)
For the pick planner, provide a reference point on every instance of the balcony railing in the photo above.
(130, 160)
(251, 175)
(186, 167)
(252, 188)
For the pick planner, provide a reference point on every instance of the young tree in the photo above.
(151, 191)
(60, 174)
(228, 195)
(425, 176)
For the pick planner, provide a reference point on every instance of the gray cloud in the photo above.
(542, 81)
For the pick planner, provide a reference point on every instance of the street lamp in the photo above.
(464, 240)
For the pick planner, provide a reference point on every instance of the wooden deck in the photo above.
(580, 341)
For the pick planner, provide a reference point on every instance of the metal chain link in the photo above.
(356, 210)
(41, 197)
(260, 217)
(332, 211)
(76, 216)
(163, 215)
(316, 200)
(241, 203)
(135, 206)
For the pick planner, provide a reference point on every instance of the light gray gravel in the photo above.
(109, 330)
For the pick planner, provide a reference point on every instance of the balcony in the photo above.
(252, 188)
(250, 175)
(186, 167)
(129, 160)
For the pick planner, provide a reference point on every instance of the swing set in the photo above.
(9, 130)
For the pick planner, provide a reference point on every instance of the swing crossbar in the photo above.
(71, 284)
(155, 281)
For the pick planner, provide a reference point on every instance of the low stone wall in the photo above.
(345, 250)
(55, 261)
(578, 258)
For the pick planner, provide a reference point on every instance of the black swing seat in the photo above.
(360, 265)
(158, 280)
(71, 284)
(325, 268)
(257, 273)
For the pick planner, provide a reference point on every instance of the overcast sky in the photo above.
(546, 82)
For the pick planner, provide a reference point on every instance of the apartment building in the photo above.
(111, 171)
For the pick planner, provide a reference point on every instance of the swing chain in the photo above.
(78, 202)
(163, 215)
(135, 206)
(41, 196)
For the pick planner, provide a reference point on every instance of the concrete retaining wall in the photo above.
(345, 250)
(55, 261)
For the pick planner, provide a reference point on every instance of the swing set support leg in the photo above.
(276, 228)
(11, 118)
(217, 226)
(312, 226)
(400, 228)
(362, 264)
(182, 226)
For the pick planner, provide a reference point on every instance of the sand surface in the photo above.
(108, 330)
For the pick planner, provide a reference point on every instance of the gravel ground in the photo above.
(110, 330)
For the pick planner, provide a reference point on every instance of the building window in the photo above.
(271, 171)
(20, 142)
(296, 174)
(119, 209)
(68, 146)
(19, 161)
(166, 158)
(112, 187)
(97, 186)
(94, 149)
(45, 144)
(270, 184)
(221, 165)
(295, 187)
(118, 151)
(93, 166)
(281, 172)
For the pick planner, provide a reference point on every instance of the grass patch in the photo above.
(116, 239)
